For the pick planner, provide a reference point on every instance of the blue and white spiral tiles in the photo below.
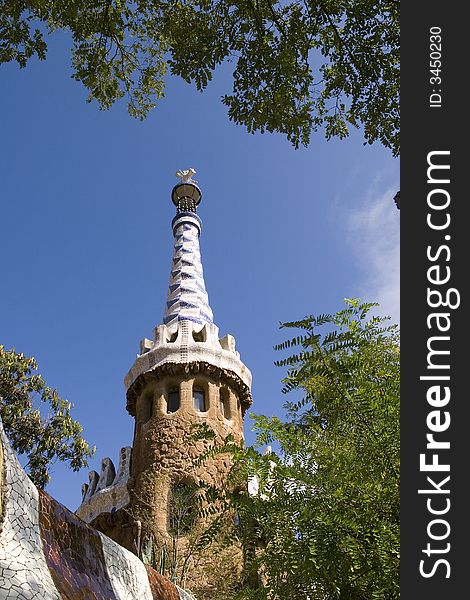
(187, 296)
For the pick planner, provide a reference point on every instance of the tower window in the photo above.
(200, 336)
(172, 338)
(146, 407)
(224, 403)
(199, 399)
(173, 402)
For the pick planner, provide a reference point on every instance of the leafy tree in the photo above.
(42, 439)
(300, 65)
(184, 549)
(182, 508)
(322, 521)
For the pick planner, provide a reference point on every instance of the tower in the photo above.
(185, 376)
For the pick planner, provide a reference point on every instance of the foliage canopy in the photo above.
(300, 65)
(42, 439)
(321, 519)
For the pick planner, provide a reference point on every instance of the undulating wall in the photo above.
(48, 553)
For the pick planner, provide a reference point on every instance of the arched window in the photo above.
(224, 403)
(199, 399)
(181, 509)
(173, 402)
(146, 407)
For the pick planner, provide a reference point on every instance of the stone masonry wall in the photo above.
(164, 455)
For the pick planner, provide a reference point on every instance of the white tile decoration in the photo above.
(127, 573)
(24, 574)
(101, 498)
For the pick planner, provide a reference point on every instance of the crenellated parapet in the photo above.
(106, 492)
(192, 346)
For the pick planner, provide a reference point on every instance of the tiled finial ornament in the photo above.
(48, 553)
(186, 195)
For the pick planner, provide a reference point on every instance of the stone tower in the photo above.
(185, 376)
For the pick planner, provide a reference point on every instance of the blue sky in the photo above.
(86, 238)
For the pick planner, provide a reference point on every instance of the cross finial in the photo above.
(186, 175)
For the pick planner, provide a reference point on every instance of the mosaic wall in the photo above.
(48, 553)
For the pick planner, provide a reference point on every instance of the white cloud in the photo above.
(374, 237)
